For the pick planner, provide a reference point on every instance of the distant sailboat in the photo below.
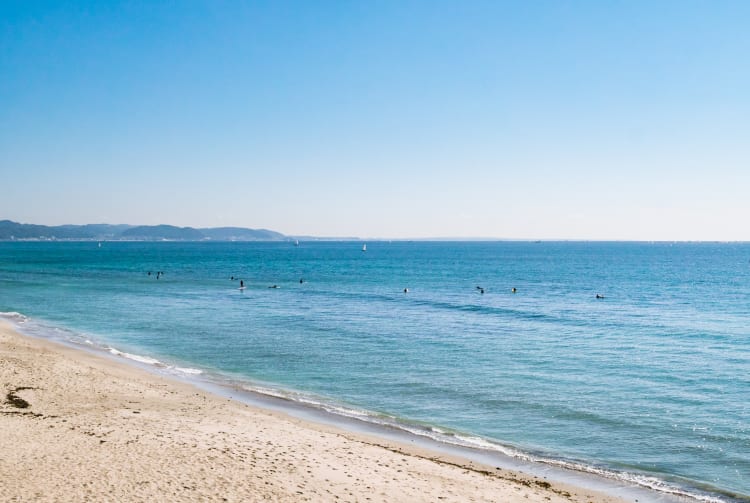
(364, 248)
(296, 242)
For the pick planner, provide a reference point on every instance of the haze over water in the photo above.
(649, 383)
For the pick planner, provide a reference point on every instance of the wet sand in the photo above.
(76, 426)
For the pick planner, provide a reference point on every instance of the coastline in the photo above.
(97, 428)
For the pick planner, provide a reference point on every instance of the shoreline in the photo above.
(268, 397)
(103, 428)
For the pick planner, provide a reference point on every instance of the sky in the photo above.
(600, 120)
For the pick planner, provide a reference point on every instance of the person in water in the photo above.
(242, 284)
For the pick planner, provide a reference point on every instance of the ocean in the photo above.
(629, 360)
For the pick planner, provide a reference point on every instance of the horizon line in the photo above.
(310, 237)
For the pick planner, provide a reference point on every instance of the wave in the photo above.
(449, 306)
(137, 358)
(35, 328)
(14, 317)
(187, 370)
(147, 360)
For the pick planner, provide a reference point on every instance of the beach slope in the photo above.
(76, 426)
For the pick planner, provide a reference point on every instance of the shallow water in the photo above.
(648, 384)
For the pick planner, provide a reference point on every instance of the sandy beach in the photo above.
(76, 426)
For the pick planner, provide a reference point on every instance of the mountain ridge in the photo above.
(10, 230)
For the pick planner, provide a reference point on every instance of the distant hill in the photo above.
(161, 232)
(12, 230)
(97, 230)
(241, 234)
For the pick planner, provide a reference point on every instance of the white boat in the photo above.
(364, 247)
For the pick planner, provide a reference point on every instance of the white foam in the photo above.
(138, 358)
(636, 479)
(187, 370)
(14, 316)
(354, 414)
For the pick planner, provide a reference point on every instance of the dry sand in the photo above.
(76, 426)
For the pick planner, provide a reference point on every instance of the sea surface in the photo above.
(649, 384)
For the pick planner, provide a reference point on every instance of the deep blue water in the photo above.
(650, 383)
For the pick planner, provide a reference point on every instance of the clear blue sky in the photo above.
(524, 119)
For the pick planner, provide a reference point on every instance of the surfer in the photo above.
(301, 281)
(242, 284)
(513, 289)
(599, 296)
(406, 290)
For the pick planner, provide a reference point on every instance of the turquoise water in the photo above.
(649, 384)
